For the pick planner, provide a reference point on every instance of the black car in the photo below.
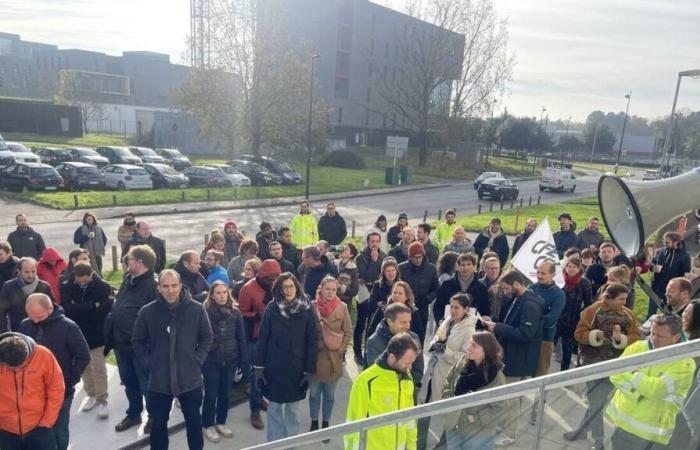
(259, 176)
(30, 176)
(289, 175)
(119, 155)
(498, 189)
(79, 175)
(174, 158)
(54, 155)
(88, 155)
(206, 176)
(147, 155)
(165, 177)
(486, 176)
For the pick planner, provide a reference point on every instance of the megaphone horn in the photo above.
(634, 210)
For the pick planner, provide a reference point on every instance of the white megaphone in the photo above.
(634, 210)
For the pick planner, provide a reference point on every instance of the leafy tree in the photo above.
(569, 143)
(601, 134)
(518, 133)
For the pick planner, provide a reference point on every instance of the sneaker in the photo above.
(257, 421)
(224, 431)
(90, 404)
(126, 423)
(598, 445)
(574, 435)
(147, 427)
(503, 441)
(211, 434)
(102, 411)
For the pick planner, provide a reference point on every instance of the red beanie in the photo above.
(416, 248)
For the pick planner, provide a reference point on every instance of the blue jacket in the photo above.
(218, 273)
(553, 303)
(565, 240)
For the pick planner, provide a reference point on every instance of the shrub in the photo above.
(344, 159)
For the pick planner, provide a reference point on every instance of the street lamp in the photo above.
(488, 147)
(622, 136)
(308, 131)
(669, 129)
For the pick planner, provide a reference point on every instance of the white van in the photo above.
(558, 180)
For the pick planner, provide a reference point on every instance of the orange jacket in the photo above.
(32, 395)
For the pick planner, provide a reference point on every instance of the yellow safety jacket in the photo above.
(443, 234)
(304, 230)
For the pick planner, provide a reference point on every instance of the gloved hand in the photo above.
(305, 380)
(260, 380)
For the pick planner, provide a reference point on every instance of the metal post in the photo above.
(425, 216)
(114, 199)
(622, 136)
(115, 259)
(521, 202)
(479, 208)
(517, 219)
(182, 195)
(540, 416)
(529, 201)
(308, 130)
(439, 214)
(666, 156)
(539, 198)
(501, 205)
(490, 206)
(595, 139)
(363, 439)
(208, 195)
(353, 228)
(75, 200)
(511, 203)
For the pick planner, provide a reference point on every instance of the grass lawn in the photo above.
(90, 140)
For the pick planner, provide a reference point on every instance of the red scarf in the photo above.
(570, 282)
(326, 307)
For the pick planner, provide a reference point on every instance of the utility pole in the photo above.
(308, 131)
(622, 136)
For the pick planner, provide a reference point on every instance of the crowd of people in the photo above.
(436, 316)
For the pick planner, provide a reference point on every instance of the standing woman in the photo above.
(250, 270)
(91, 237)
(286, 353)
(401, 292)
(348, 275)
(578, 297)
(381, 289)
(481, 368)
(227, 354)
(335, 334)
(447, 266)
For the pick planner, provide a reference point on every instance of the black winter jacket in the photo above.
(287, 348)
(12, 301)
(88, 307)
(378, 296)
(369, 271)
(310, 277)
(392, 236)
(479, 293)
(565, 240)
(597, 273)
(286, 266)
(26, 243)
(291, 254)
(332, 229)
(63, 337)
(577, 300)
(674, 263)
(264, 244)
(519, 331)
(229, 336)
(172, 344)
(399, 252)
(158, 246)
(195, 283)
(519, 241)
(423, 280)
(500, 245)
(8, 269)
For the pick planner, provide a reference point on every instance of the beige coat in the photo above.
(329, 365)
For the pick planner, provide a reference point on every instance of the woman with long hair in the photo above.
(335, 333)
(348, 275)
(447, 266)
(92, 238)
(480, 368)
(578, 297)
(401, 292)
(250, 270)
(381, 288)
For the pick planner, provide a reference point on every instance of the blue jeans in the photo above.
(282, 420)
(218, 377)
(60, 428)
(134, 379)
(39, 438)
(159, 407)
(459, 441)
(318, 390)
(255, 394)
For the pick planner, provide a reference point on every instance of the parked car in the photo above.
(126, 176)
(650, 175)
(486, 176)
(88, 155)
(119, 155)
(174, 158)
(147, 155)
(559, 180)
(498, 189)
(80, 175)
(205, 176)
(235, 177)
(165, 177)
(289, 175)
(21, 153)
(53, 155)
(30, 176)
(259, 176)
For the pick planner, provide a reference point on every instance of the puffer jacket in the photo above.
(601, 317)
(553, 302)
(50, 267)
(229, 342)
(332, 229)
(26, 243)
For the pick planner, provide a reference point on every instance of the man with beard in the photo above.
(304, 227)
(591, 237)
(289, 251)
(313, 269)
(566, 237)
(369, 265)
(463, 281)
(14, 293)
(25, 241)
(126, 230)
(400, 250)
(670, 262)
(445, 230)
(423, 236)
(264, 238)
(597, 273)
(277, 254)
(520, 239)
(233, 240)
(252, 301)
(492, 239)
(8, 263)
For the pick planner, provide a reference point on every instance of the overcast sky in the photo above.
(572, 56)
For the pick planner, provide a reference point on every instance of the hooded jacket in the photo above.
(264, 244)
(32, 395)
(172, 343)
(332, 229)
(500, 244)
(8, 269)
(88, 307)
(253, 298)
(217, 273)
(195, 283)
(26, 243)
(519, 331)
(65, 340)
(12, 301)
(50, 267)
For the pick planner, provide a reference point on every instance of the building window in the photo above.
(342, 63)
(344, 38)
(340, 116)
(342, 87)
(371, 47)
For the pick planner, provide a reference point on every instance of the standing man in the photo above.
(264, 238)
(172, 337)
(48, 326)
(28, 415)
(313, 270)
(647, 400)
(492, 272)
(304, 227)
(463, 281)
(8, 263)
(670, 262)
(553, 302)
(331, 226)
(678, 293)
(369, 266)
(394, 234)
(138, 288)
(385, 387)
(520, 239)
(460, 243)
(289, 250)
(400, 251)
(126, 231)
(14, 293)
(79, 254)
(591, 237)
(597, 272)
(277, 254)
(25, 241)
(87, 300)
(143, 236)
(188, 270)
(232, 240)
(566, 237)
(422, 276)
(492, 239)
(445, 230)
(423, 236)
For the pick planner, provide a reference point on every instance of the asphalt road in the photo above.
(183, 231)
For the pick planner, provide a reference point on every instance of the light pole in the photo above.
(595, 139)
(622, 136)
(308, 131)
(566, 139)
(669, 129)
(488, 147)
(539, 147)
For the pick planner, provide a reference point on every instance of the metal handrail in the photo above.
(539, 384)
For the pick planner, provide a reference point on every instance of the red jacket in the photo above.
(32, 395)
(251, 300)
(50, 267)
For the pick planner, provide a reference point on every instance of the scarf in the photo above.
(299, 304)
(492, 237)
(464, 283)
(472, 378)
(326, 306)
(28, 288)
(94, 245)
(570, 282)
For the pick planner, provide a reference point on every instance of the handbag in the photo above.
(331, 339)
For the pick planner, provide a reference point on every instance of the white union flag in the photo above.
(537, 248)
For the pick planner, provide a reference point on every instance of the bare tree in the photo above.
(71, 91)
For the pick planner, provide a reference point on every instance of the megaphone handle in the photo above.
(652, 295)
